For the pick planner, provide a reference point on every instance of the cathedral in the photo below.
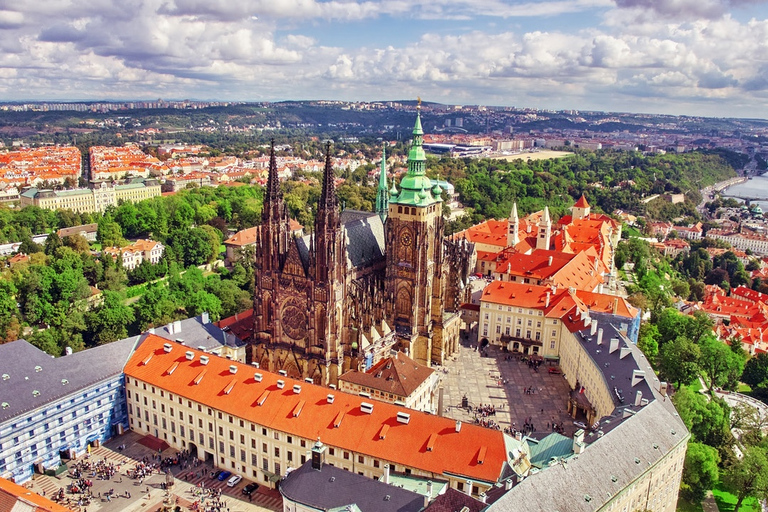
(362, 283)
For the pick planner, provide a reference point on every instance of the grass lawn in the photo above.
(744, 388)
(726, 501)
(695, 386)
(684, 505)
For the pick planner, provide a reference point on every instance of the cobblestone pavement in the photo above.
(500, 380)
(149, 495)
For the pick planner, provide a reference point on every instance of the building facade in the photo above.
(89, 200)
(53, 409)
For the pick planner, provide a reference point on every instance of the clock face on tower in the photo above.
(406, 239)
(294, 320)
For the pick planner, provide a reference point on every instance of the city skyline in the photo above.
(670, 57)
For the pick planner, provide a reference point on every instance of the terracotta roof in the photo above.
(454, 501)
(398, 374)
(582, 202)
(244, 237)
(454, 452)
(17, 498)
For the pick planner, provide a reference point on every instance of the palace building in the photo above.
(361, 284)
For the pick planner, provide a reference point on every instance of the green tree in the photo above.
(648, 340)
(700, 472)
(109, 233)
(52, 243)
(748, 476)
(707, 420)
(679, 361)
(721, 366)
(109, 321)
(756, 370)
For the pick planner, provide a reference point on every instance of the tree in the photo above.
(721, 366)
(756, 370)
(748, 476)
(52, 243)
(109, 321)
(707, 420)
(78, 243)
(647, 340)
(679, 360)
(700, 472)
(109, 233)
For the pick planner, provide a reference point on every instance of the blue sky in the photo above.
(694, 57)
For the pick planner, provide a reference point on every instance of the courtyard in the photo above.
(498, 381)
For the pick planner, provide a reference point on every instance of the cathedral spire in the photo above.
(382, 195)
(328, 199)
(272, 196)
(416, 189)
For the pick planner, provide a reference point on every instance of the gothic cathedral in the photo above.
(362, 283)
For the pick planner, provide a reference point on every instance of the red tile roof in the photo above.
(11, 494)
(398, 374)
(454, 452)
(243, 237)
(582, 202)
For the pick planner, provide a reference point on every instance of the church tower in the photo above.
(271, 247)
(580, 209)
(382, 195)
(415, 258)
(513, 227)
(545, 230)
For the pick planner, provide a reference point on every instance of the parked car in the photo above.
(224, 475)
(216, 473)
(234, 480)
(555, 369)
(249, 488)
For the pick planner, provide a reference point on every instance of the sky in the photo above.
(692, 57)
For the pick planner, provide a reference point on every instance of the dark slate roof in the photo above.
(56, 377)
(196, 334)
(365, 241)
(454, 501)
(626, 444)
(334, 487)
(616, 371)
(365, 238)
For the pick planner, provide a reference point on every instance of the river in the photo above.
(756, 187)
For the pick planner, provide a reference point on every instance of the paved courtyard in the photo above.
(149, 495)
(500, 380)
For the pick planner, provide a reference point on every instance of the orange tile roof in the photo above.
(11, 493)
(454, 452)
(582, 202)
(243, 237)
(398, 374)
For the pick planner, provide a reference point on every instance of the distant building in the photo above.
(85, 200)
(54, 406)
(134, 254)
(88, 231)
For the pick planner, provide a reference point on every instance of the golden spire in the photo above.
(418, 98)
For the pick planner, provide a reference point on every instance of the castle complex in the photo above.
(362, 283)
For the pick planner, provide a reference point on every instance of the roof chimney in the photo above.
(386, 474)
(638, 398)
(549, 264)
(483, 496)
(600, 336)
(546, 303)
(177, 326)
(615, 305)
(458, 425)
(428, 495)
(468, 485)
(593, 328)
(663, 388)
(578, 441)
(204, 318)
(614, 345)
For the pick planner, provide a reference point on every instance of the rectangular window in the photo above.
(552, 344)
(277, 451)
(254, 460)
(221, 446)
(231, 451)
(289, 455)
(264, 447)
